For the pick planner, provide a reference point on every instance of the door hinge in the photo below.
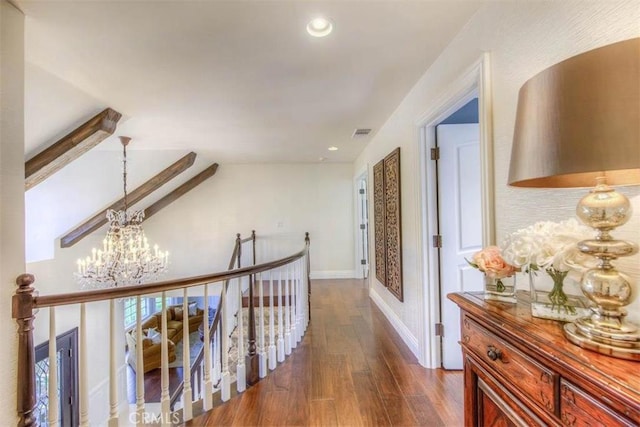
(361, 191)
(363, 261)
(362, 226)
(435, 153)
(70, 353)
(439, 330)
(437, 241)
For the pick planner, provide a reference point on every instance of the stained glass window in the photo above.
(42, 389)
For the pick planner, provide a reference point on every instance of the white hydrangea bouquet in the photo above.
(551, 247)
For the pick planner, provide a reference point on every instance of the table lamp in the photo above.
(578, 125)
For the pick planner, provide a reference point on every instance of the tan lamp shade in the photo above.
(580, 119)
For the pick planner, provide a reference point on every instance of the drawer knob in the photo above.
(493, 353)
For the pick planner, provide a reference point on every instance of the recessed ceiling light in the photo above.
(332, 148)
(320, 27)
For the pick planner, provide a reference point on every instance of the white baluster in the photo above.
(287, 313)
(165, 399)
(53, 370)
(225, 384)
(113, 366)
(305, 295)
(139, 364)
(280, 348)
(84, 375)
(262, 346)
(299, 299)
(187, 409)
(294, 314)
(272, 339)
(208, 385)
(294, 303)
(241, 372)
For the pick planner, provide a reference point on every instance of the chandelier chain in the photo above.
(124, 175)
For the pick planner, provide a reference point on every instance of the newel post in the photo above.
(22, 311)
(251, 359)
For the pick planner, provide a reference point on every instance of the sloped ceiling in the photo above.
(241, 79)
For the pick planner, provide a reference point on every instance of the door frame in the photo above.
(41, 352)
(357, 272)
(475, 81)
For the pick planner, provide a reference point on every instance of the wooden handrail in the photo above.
(42, 301)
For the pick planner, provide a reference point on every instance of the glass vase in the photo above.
(556, 296)
(503, 290)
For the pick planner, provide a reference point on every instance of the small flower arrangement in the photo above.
(490, 261)
(551, 247)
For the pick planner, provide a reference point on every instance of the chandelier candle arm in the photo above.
(126, 257)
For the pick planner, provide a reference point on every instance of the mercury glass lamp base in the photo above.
(586, 334)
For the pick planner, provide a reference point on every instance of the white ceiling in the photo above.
(237, 81)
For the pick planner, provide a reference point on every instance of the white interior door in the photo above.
(460, 220)
(363, 225)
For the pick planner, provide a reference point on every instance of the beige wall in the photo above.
(12, 196)
(523, 38)
(280, 201)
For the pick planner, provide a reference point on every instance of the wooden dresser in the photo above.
(520, 370)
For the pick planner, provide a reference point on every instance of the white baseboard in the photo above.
(409, 339)
(333, 274)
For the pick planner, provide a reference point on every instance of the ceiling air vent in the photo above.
(359, 133)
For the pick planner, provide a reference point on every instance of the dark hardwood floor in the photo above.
(350, 369)
(152, 384)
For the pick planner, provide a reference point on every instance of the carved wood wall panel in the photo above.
(388, 220)
(378, 215)
(393, 223)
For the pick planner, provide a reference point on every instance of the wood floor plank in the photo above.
(384, 380)
(272, 413)
(346, 401)
(424, 412)
(322, 413)
(321, 385)
(445, 398)
(252, 403)
(371, 406)
(399, 411)
(221, 415)
(298, 404)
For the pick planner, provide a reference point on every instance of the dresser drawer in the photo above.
(579, 409)
(515, 369)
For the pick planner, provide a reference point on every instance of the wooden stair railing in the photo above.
(293, 268)
(235, 260)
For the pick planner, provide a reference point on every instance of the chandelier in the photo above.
(126, 257)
